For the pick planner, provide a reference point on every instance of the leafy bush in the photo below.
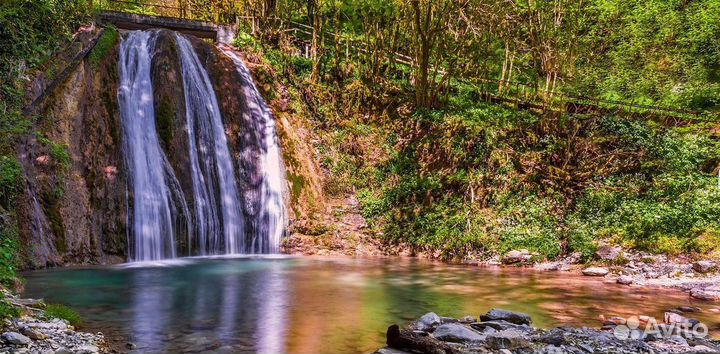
(7, 310)
(63, 312)
(529, 224)
(707, 242)
(244, 40)
(8, 257)
(10, 180)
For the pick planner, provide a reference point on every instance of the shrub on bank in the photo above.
(63, 312)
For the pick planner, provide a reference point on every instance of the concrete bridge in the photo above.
(209, 30)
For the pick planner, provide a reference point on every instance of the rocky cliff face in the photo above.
(75, 207)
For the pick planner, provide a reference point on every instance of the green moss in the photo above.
(57, 226)
(105, 43)
(165, 116)
(297, 184)
(58, 152)
(63, 312)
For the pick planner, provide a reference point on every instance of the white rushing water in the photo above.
(224, 219)
(153, 185)
(212, 167)
(271, 219)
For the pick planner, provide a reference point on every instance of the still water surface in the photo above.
(312, 305)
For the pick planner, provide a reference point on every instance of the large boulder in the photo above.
(15, 338)
(507, 339)
(595, 272)
(703, 266)
(509, 316)
(453, 332)
(32, 333)
(500, 325)
(705, 294)
(428, 322)
(515, 256)
(625, 280)
(608, 253)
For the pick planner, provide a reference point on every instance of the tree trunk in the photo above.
(422, 54)
(338, 51)
(421, 75)
(315, 45)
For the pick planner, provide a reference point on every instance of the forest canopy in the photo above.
(660, 52)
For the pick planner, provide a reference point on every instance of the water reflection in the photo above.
(152, 305)
(311, 305)
(271, 330)
(219, 306)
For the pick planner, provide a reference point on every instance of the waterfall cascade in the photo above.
(269, 222)
(211, 164)
(154, 210)
(227, 215)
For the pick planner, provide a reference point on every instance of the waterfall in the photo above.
(223, 218)
(154, 186)
(212, 167)
(269, 223)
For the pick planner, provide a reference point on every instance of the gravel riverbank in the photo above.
(33, 332)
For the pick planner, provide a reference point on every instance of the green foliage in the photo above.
(660, 198)
(31, 29)
(7, 310)
(104, 44)
(244, 40)
(12, 123)
(301, 66)
(707, 242)
(63, 312)
(655, 51)
(530, 224)
(10, 180)
(8, 254)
